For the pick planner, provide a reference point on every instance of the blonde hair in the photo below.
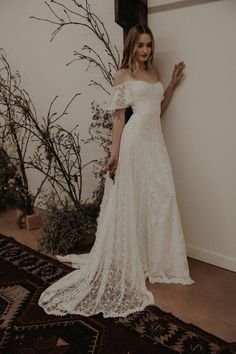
(128, 60)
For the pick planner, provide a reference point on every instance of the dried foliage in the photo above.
(80, 14)
(58, 157)
(14, 138)
(8, 196)
(57, 151)
(69, 220)
(106, 59)
(68, 230)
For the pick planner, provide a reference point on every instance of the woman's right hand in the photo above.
(112, 165)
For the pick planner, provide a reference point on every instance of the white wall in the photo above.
(200, 123)
(42, 65)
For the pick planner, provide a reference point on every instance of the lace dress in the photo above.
(139, 233)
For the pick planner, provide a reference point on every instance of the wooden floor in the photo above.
(209, 303)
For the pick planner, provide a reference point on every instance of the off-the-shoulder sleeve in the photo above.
(120, 97)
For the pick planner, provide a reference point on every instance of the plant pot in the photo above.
(20, 218)
(30, 222)
(33, 221)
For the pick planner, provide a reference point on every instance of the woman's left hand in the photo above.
(178, 73)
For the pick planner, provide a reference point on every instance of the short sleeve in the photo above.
(120, 97)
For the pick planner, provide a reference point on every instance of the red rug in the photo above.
(26, 329)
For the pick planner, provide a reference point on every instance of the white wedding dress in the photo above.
(139, 233)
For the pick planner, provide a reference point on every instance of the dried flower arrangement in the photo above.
(69, 222)
(80, 14)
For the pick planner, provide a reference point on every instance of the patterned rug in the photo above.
(26, 329)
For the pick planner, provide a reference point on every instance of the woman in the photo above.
(139, 233)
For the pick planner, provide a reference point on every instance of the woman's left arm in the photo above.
(176, 78)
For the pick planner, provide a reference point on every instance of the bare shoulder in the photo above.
(120, 77)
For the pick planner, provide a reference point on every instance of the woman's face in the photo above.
(143, 47)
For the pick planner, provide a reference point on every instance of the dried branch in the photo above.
(80, 14)
(12, 132)
(57, 152)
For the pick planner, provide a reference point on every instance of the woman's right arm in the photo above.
(118, 126)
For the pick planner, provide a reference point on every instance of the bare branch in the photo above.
(84, 17)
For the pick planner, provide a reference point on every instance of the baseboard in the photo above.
(211, 257)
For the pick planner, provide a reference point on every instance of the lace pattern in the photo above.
(120, 97)
(139, 233)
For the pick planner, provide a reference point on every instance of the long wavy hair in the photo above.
(128, 60)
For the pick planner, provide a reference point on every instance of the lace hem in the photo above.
(76, 261)
(150, 301)
(165, 280)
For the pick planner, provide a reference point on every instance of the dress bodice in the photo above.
(142, 96)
